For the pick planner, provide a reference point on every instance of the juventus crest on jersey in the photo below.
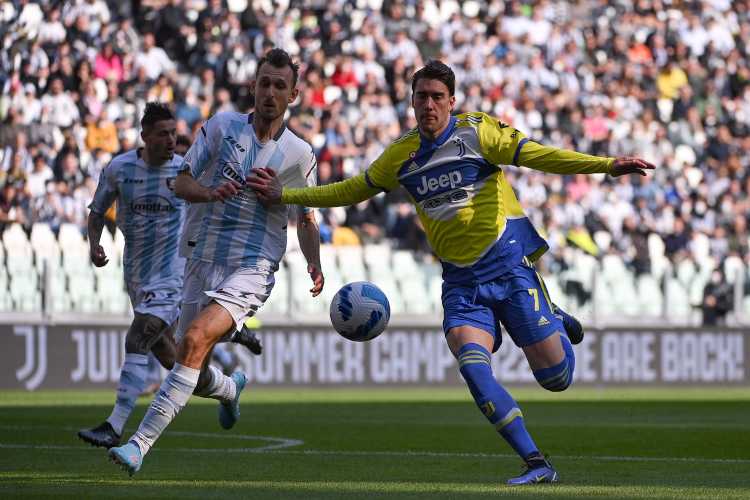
(240, 231)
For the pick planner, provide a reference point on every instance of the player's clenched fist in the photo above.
(98, 256)
(266, 185)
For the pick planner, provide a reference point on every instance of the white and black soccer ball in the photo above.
(360, 311)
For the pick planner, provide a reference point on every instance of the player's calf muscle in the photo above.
(165, 351)
(193, 348)
(545, 353)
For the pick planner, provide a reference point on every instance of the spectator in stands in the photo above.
(108, 64)
(717, 299)
(605, 77)
(153, 59)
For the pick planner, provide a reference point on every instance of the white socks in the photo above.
(219, 387)
(132, 383)
(171, 398)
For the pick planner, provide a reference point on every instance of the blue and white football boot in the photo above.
(538, 470)
(127, 456)
(229, 413)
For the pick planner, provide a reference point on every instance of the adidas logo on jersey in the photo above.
(543, 321)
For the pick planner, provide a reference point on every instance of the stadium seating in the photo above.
(55, 273)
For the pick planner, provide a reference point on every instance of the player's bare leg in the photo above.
(145, 331)
(472, 347)
(205, 330)
(165, 349)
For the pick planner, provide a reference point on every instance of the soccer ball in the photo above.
(360, 311)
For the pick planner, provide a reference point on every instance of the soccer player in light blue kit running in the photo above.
(151, 217)
(233, 245)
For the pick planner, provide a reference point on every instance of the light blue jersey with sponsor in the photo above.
(149, 215)
(240, 231)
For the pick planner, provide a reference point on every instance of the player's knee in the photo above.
(195, 343)
(144, 332)
(557, 378)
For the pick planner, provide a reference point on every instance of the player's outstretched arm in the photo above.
(309, 241)
(563, 161)
(339, 194)
(189, 189)
(96, 252)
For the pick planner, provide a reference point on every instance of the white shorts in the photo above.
(160, 299)
(239, 290)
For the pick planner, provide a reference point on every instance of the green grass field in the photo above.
(394, 443)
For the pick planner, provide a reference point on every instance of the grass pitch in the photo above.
(394, 443)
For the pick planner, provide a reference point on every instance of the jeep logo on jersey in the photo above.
(451, 179)
(151, 205)
(230, 171)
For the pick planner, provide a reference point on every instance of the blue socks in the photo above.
(557, 378)
(495, 402)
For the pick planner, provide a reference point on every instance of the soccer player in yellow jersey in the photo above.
(450, 166)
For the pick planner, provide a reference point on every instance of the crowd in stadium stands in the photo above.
(665, 80)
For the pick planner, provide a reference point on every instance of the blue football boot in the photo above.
(229, 413)
(127, 456)
(538, 470)
(572, 326)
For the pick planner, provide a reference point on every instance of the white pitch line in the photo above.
(281, 445)
(277, 443)
(406, 454)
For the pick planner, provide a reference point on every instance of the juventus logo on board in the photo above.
(34, 367)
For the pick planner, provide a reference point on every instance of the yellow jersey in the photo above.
(468, 209)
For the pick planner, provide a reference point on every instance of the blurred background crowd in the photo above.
(664, 80)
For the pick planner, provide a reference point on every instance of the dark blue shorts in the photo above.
(518, 300)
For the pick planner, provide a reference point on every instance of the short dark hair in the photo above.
(278, 58)
(436, 70)
(155, 112)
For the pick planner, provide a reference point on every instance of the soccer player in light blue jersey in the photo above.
(451, 169)
(233, 245)
(151, 217)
